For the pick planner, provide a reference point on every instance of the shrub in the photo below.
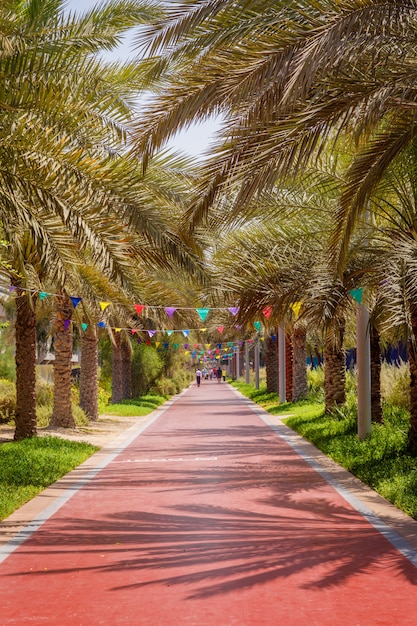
(315, 380)
(7, 400)
(44, 393)
(104, 396)
(395, 384)
(146, 369)
(164, 387)
(43, 415)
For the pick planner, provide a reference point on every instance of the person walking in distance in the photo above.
(219, 374)
(198, 376)
(224, 374)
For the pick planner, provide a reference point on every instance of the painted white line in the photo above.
(43, 517)
(393, 537)
(170, 460)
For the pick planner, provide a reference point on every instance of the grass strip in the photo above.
(27, 467)
(381, 461)
(138, 407)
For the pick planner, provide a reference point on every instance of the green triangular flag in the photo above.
(203, 313)
(357, 294)
(84, 326)
(43, 295)
(257, 326)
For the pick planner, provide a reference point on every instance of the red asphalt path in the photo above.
(208, 517)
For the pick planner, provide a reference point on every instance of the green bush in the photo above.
(146, 369)
(7, 400)
(44, 413)
(395, 384)
(7, 363)
(104, 397)
(164, 387)
(315, 380)
(44, 393)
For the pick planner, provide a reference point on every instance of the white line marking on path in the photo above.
(170, 460)
(285, 433)
(43, 517)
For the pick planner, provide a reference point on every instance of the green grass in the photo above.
(137, 407)
(27, 467)
(381, 461)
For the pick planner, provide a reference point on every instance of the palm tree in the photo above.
(284, 76)
(63, 182)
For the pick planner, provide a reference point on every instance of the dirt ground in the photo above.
(99, 433)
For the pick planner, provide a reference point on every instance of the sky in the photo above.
(193, 141)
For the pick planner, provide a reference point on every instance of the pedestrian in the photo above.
(198, 377)
(224, 374)
(219, 374)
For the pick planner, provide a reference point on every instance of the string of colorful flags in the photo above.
(202, 312)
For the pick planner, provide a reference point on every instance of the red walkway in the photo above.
(207, 518)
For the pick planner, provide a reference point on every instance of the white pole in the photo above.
(247, 362)
(363, 363)
(257, 364)
(281, 365)
(238, 362)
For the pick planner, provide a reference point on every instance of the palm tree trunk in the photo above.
(412, 434)
(25, 329)
(272, 364)
(126, 353)
(89, 373)
(376, 407)
(116, 364)
(300, 386)
(62, 410)
(334, 370)
(288, 367)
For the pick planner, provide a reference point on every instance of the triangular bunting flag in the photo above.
(67, 324)
(203, 330)
(208, 345)
(133, 331)
(104, 305)
(267, 312)
(169, 332)
(75, 301)
(43, 295)
(220, 329)
(118, 330)
(234, 310)
(170, 310)
(84, 326)
(175, 346)
(296, 306)
(157, 343)
(357, 294)
(101, 324)
(139, 308)
(186, 345)
(203, 313)
(257, 326)
(185, 333)
(151, 333)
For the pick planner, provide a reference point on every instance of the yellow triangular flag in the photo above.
(157, 343)
(296, 306)
(118, 330)
(104, 305)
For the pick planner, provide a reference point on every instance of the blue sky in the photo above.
(193, 141)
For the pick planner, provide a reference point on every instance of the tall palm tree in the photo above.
(64, 182)
(284, 76)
